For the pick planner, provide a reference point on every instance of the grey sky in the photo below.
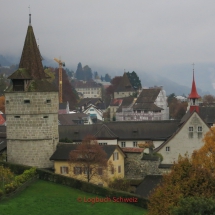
(140, 35)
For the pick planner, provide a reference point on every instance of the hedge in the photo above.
(77, 184)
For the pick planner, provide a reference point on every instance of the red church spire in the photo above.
(194, 96)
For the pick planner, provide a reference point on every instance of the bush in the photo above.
(120, 184)
(194, 206)
(1, 193)
(9, 188)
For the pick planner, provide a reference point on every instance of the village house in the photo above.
(124, 88)
(115, 168)
(151, 104)
(89, 89)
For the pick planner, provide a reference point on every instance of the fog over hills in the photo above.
(174, 79)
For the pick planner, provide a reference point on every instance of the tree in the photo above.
(184, 180)
(69, 92)
(2, 104)
(208, 99)
(107, 78)
(194, 206)
(205, 156)
(134, 80)
(6, 176)
(91, 157)
(79, 72)
(177, 109)
(87, 73)
(190, 177)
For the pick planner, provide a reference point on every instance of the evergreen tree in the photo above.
(87, 73)
(134, 80)
(107, 78)
(79, 72)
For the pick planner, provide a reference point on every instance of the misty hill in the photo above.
(150, 80)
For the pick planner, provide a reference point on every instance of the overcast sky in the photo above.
(140, 35)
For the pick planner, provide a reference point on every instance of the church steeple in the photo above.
(194, 96)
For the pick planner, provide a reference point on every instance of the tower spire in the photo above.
(194, 96)
(29, 15)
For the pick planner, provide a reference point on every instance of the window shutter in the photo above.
(61, 169)
(74, 170)
(117, 156)
(67, 170)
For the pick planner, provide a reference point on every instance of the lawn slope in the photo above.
(53, 199)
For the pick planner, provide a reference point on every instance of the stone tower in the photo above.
(31, 108)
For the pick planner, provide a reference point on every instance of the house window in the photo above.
(190, 132)
(104, 144)
(64, 170)
(123, 144)
(100, 171)
(16, 116)
(112, 170)
(190, 129)
(7, 102)
(86, 170)
(45, 117)
(115, 156)
(77, 170)
(199, 128)
(167, 149)
(26, 101)
(199, 132)
(134, 144)
(119, 169)
(91, 109)
(48, 101)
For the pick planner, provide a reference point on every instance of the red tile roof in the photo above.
(133, 150)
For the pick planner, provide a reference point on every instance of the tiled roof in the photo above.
(206, 112)
(31, 57)
(126, 102)
(69, 119)
(63, 150)
(105, 132)
(125, 85)
(21, 73)
(141, 130)
(133, 150)
(116, 102)
(150, 182)
(148, 95)
(88, 84)
(31, 68)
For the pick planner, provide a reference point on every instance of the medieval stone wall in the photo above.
(32, 153)
(135, 168)
(32, 127)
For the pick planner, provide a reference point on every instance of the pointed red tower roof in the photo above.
(194, 94)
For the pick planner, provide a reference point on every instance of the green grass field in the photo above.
(46, 198)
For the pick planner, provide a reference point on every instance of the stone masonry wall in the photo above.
(32, 127)
(135, 168)
(32, 153)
